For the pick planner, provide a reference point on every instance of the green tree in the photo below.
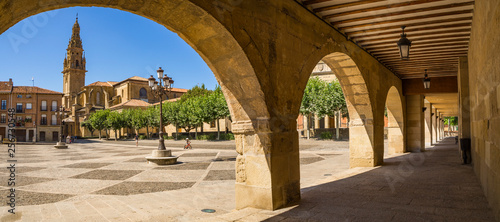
(86, 124)
(115, 121)
(98, 120)
(196, 91)
(138, 119)
(152, 116)
(219, 107)
(323, 98)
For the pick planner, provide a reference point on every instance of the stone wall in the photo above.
(484, 83)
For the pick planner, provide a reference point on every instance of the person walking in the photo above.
(136, 140)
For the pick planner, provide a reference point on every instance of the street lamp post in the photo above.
(160, 88)
(161, 156)
(61, 144)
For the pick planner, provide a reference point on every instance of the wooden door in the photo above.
(42, 136)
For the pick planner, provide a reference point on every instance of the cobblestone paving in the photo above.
(90, 177)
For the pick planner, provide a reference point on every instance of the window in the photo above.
(28, 105)
(19, 107)
(28, 119)
(143, 94)
(77, 65)
(3, 119)
(4, 104)
(54, 120)
(19, 96)
(44, 105)
(98, 98)
(43, 120)
(212, 124)
(175, 95)
(19, 121)
(54, 105)
(28, 96)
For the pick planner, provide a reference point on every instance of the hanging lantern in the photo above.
(427, 81)
(404, 45)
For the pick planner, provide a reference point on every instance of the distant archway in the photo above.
(395, 124)
(361, 152)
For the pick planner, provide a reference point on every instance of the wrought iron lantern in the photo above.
(427, 81)
(404, 45)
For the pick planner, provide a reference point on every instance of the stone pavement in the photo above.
(429, 186)
(110, 181)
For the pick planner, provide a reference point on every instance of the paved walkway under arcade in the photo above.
(430, 186)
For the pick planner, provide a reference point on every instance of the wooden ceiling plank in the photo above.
(410, 11)
(461, 19)
(408, 30)
(383, 7)
(420, 47)
(396, 38)
(419, 43)
(344, 5)
(415, 40)
(381, 55)
(389, 21)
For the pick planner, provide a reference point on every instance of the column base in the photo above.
(162, 157)
(61, 145)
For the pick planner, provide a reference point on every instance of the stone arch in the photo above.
(361, 127)
(395, 126)
(207, 36)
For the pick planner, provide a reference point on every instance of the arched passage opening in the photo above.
(230, 65)
(361, 152)
(395, 122)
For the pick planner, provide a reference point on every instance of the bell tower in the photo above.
(74, 67)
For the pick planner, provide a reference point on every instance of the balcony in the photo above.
(43, 122)
(43, 108)
(19, 110)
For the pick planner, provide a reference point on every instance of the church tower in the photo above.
(74, 67)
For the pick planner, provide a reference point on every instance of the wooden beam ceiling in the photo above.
(439, 31)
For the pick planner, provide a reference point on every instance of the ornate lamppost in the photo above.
(163, 86)
(61, 144)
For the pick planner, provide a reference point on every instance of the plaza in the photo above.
(110, 181)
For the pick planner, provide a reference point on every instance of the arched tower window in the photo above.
(98, 98)
(77, 65)
(143, 94)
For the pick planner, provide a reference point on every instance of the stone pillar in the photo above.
(428, 124)
(415, 130)
(306, 126)
(316, 122)
(433, 123)
(463, 97)
(327, 122)
(267, 165)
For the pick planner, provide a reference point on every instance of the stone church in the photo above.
(80, 100)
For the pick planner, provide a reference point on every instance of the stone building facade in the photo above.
(36, 117)
(81, 100)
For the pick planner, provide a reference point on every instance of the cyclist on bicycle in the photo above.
(188, 144)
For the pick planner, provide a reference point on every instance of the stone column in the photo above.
(433, 128)
(427, 124)
(316, 122)
(463, 97)
(415, 125)
(327, 122)
(267, 165)
(306, 126)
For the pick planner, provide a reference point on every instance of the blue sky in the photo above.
(117, 44)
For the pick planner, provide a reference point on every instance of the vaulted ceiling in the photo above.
(439, 31)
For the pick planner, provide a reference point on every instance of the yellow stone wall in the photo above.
(262, 53)
(484, 79)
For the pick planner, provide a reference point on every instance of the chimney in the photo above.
(10, 81)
